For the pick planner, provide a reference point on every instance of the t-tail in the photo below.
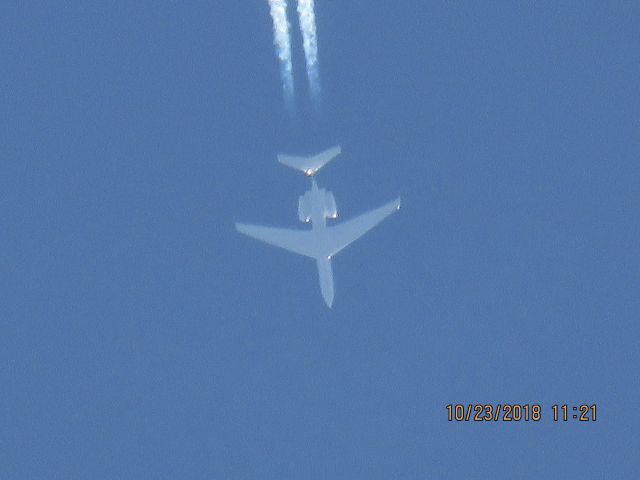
(310, 165)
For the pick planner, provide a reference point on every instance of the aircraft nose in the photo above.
(327, 294)
(328, 301)
(326, 280)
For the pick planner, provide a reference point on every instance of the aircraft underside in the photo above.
(322, 241)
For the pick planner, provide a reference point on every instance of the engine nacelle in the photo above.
(304, 207)
(330, 209)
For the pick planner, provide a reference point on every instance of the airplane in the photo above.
(322, 241)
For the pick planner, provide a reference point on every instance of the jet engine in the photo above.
(330, 210)
(304, 207)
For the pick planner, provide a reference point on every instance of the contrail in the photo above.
(282, 41)
(310, 44)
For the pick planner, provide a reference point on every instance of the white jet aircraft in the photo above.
(322, 242)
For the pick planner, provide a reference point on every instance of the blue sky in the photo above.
(142, 337)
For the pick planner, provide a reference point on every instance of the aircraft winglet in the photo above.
(310, 165)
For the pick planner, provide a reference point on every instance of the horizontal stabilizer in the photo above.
(310, 165)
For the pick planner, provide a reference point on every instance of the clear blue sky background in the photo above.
(142, 337)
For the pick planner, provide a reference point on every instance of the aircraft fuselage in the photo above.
(319, 227)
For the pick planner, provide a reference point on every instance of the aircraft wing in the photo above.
(296, 241)
(343, 234)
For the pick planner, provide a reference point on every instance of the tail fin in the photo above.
(310, 165)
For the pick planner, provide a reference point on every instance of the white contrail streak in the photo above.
(282, 41)
(310, 44)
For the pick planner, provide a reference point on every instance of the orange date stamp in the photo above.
(518, 412)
